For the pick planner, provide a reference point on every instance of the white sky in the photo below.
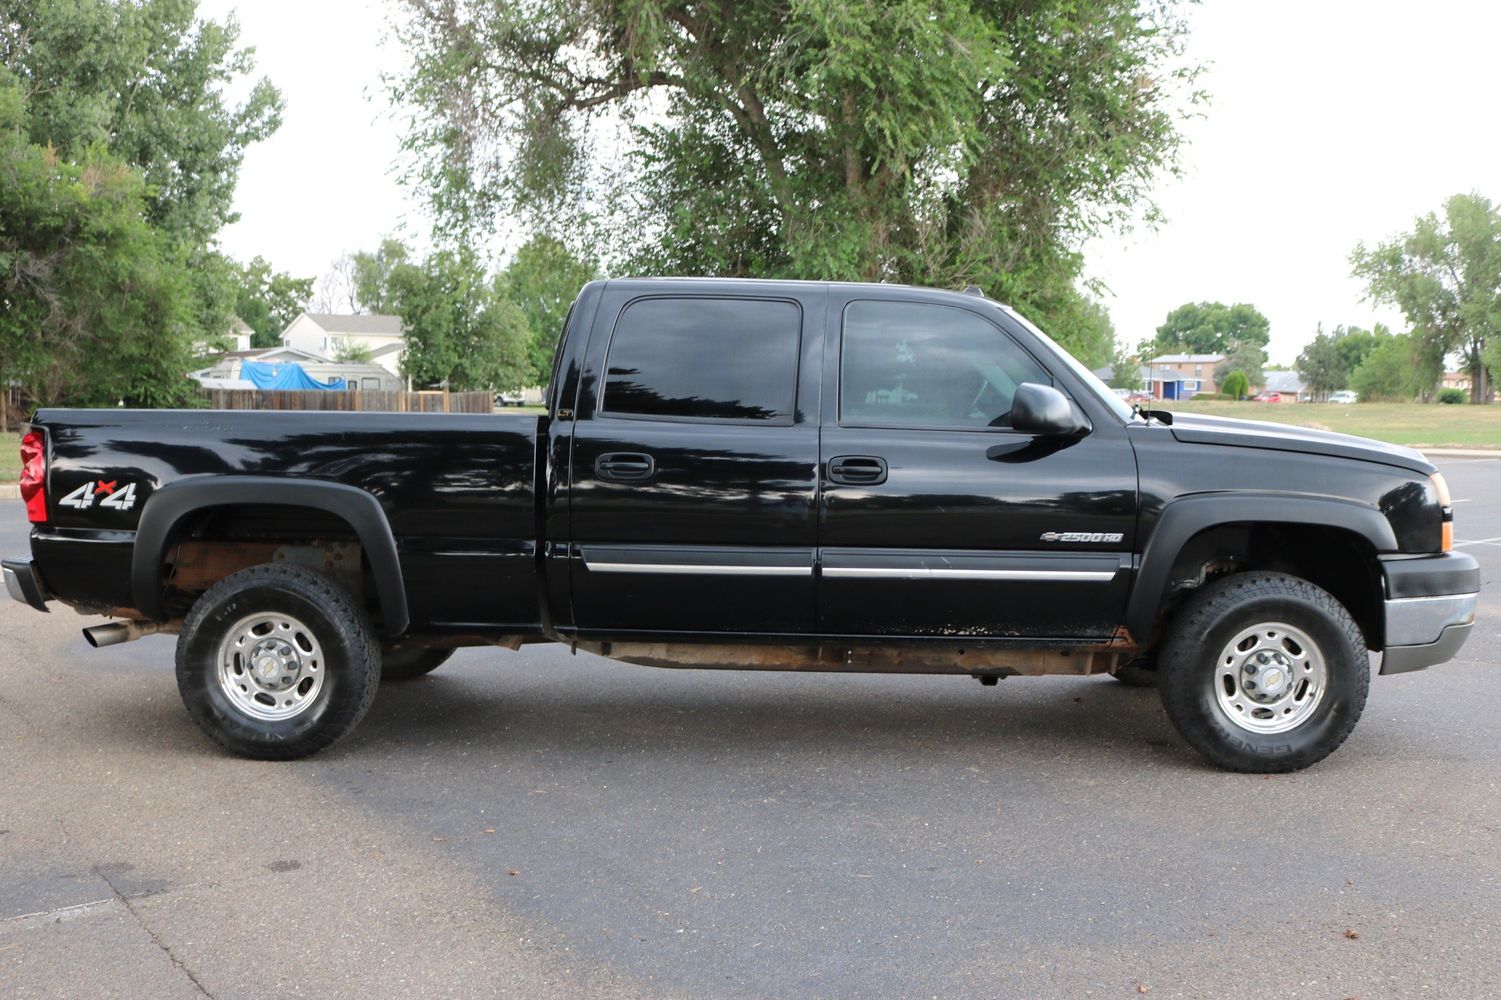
(1330, 122)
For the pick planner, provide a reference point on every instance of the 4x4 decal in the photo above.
(109, 494)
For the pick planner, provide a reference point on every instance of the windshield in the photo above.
(1102, 391)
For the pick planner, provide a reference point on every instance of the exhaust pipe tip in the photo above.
(111, 634)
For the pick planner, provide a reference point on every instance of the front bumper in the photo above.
(1430, 609)
(23, 584)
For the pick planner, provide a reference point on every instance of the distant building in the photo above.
(237, 337)
(328, 334)
(1289, 384)
(1455, 380)
(1182, 376)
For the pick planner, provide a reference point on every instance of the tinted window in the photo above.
(906, 363)
(717, 359)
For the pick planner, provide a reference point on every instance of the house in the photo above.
(1181, 376)
(329, 334)
(1455, 380)
(237, 337)
(1289, 384)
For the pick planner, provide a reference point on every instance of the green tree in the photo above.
(138, 87)
(459, 331)
(938, 142)
(347, 350)
(99, 305)
(1392, 371)
(543, 279)
(1125, 370)
(1355, 344)
(1445, 276)
(1247, 358)
(372, 275)
(1235, 385)
(1213, 328)
(149, 80)
(1321, 365)
(269, 300)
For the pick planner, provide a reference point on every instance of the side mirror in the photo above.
(1041, 409)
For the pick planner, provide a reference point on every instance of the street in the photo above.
(537, 824)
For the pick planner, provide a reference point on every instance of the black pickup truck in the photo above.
(763, 475)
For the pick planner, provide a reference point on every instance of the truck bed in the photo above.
(459, 491)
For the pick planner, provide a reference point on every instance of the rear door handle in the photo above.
(625, 466)
(857, 470)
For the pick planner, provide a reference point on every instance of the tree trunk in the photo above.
(1480, 390)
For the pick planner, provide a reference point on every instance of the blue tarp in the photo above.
(265, 375)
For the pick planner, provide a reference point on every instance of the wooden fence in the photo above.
(374, 400)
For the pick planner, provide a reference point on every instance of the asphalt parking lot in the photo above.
(540, 825)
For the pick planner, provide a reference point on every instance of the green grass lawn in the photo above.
(1419, 425)
(10, 458)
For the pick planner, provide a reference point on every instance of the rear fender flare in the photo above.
(1185, 518)
(166, 508)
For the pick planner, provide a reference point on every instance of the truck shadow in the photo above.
(711, 712)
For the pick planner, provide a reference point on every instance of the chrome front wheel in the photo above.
(1270, 677)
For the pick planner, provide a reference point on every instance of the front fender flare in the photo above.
(1182, 519)
(165, 509)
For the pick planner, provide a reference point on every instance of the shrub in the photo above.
(1452, 395)
(1236, 385)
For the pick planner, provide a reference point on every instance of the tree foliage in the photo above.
(1395, 369)
(1445, 276)
(147, 80)
(121, 153)
(1235, 384)
(1125, 370)
(938, 142)
(1321, 366)
(1212, 328)
(96, 305)
(371, 275)
(1330, 360)
(543, 279)
(459, 330)
(269, 300)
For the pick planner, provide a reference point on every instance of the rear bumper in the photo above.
(1430, 609)
(23, 584)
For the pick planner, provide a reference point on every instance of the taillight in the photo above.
(34, 476)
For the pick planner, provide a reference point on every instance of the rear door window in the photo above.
(704, 358)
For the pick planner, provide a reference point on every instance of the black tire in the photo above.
(411, 663)
(1140, 673)
(338, 675)
(1195, 687)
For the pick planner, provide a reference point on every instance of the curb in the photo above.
(1462, 452)
(10, 491)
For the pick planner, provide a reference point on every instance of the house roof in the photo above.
(1284, 382)
(369, 325)
(260, 353)
(1187, 359)
(385, 349)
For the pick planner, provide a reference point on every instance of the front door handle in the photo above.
(857, 470)
(625, 467)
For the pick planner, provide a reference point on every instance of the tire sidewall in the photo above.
(1191, 677)
(197, 667)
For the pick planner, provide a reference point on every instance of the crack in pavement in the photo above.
(155, 937)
